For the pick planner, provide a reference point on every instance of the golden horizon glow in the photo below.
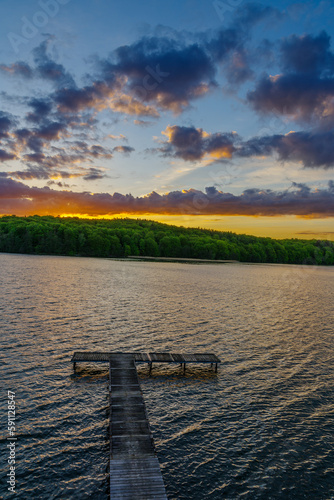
(276, 227)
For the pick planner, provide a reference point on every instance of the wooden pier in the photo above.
(147, 357)
(134, 467)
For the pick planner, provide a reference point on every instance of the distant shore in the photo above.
(181, 259)
(152, 242)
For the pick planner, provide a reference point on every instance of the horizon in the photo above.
(304, 236)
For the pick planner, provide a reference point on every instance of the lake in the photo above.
(261, 428)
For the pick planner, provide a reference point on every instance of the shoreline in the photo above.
(180, 259)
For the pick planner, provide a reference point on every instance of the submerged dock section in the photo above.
(134, 468)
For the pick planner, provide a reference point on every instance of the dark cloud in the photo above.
(168, 72)
(312, 149)
(155, 73)
(163, 71)
(59, 184)
(31, 174)
(50, 131)
(306, 98)
(73, 99)
(193, 144)
(5, 156)
(6, 123)
(41, 109)
(37, 138)
(48, 69)
(17, 198)
(84, 150)
(305, 88)
(94, 174)
(307, 54)
(45, 67)
(158, 72)
(101, 95)
(42, 172)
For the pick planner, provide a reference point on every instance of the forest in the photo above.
(119, 238)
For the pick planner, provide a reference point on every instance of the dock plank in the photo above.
(134, 468)
(141, 357)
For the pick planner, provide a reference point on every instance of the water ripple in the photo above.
(261, 428)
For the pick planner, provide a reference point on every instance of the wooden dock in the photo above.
(134, 467)
(147, 357)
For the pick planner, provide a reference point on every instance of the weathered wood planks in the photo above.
(134, 468)
(147, 357)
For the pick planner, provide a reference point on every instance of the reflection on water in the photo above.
(261, 428)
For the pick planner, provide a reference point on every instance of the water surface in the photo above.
(261, 428)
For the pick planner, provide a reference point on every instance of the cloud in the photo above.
(48, 69)
(45, 67)
(311, 149)
(101, 96)
(6, 123)
(228, 45)
(41, 109)
(72, 99)
(42, 172)
(17, 198)
(5, 156)
(307, 54)
(94, 174)
(304, 90)
(305, 98)
(168, 73)
(19, 68)
(37, 138)
(142, 123)
(194, 144)
(155, 73)
(117, 137)
(124, 149)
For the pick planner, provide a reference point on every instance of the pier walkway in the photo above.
(134, 467)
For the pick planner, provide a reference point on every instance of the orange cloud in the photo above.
(17, 198)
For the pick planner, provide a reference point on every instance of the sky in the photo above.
(215, 114)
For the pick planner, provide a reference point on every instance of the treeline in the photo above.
(124, 237)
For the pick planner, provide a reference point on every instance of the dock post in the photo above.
(150, 368)
(74, 365)
(184, 368)
(216, 368)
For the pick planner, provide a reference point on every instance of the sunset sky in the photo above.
(198, 113)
